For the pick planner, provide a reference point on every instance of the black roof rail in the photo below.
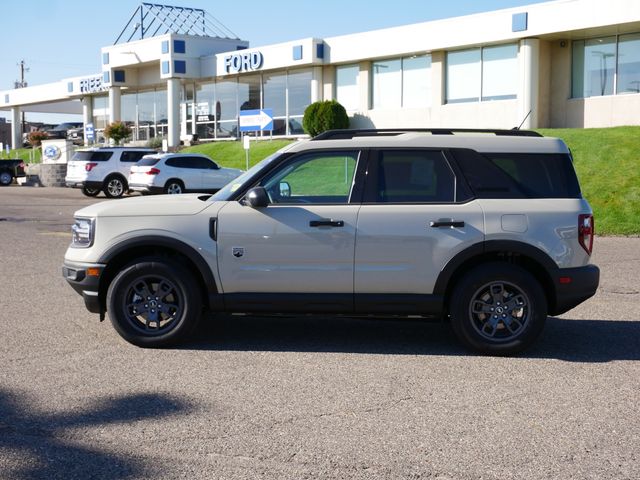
(390, 132)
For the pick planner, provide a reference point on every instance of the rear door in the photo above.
(411, 223)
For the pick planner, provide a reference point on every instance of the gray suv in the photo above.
(487, 229)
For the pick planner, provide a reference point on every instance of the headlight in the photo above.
(82, 232)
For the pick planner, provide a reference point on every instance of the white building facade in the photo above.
(565, 63)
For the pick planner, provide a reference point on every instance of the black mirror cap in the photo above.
(257, 197)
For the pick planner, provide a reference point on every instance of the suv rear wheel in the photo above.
(154, 302)
(174, 187)
(114, 186)
(5, 178)
(498, 308)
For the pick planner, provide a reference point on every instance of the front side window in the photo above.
(410, 176)
(325, 177)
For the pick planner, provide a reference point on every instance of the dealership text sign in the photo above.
(243, 62)
(91, 84)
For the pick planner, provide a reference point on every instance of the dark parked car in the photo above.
(10, 169)
(60, 131)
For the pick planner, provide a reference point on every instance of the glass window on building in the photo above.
(299, 90)
(463, 76)
(499, 72)
(402, 82)
(594, 64)
(275, 97)
(205, 110)
(347, 92)
(249, 92)
(387, 83)
(100, 112)
(226, 110)
(416, 81)
(489, 73)
(629, 63)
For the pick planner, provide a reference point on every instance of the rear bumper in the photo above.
(144, 188)
(583, 284)
(72, 183)
(85, 282)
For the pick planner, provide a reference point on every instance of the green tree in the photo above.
(117, 131)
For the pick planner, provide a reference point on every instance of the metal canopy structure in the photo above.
(152, 19)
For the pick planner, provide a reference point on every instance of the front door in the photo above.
(300, 248)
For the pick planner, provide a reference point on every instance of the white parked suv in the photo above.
(103, 169)
(486, 229)
(179, 173)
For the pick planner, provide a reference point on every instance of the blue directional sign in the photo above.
(252, 120)
(89, 131)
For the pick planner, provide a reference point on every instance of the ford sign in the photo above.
(243, 62)
(52, 153)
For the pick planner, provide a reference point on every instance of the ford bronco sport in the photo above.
(488, 229)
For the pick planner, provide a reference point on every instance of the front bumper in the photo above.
(573, 286)
(84, 278)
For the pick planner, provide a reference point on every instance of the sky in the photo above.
(62, 38)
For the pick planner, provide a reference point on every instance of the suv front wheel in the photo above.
(114, 186)
(498, 308)
(154, 302)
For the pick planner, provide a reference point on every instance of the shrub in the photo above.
(155, 142)
(117, 131)
(36, 138)
(322, 116)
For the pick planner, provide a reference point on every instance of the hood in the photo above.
(154, 205)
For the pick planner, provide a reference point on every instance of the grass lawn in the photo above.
(27, 154)
(607, 161)
(232, 154)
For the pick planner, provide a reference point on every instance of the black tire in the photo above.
(174, 187)
(5, 178)
(498, 308)
(90, 192)
(114, 186)
(170, 311)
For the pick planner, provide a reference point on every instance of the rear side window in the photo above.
(148, 161)
(133, 156)
(519, 175)
(92, 156)
(410, 176)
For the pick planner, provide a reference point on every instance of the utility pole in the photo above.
(22, 84)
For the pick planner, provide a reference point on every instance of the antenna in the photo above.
(524, 120)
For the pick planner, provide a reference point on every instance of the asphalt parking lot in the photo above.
(301, 398)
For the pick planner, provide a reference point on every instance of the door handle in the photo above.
(326, 222)
(447, 223)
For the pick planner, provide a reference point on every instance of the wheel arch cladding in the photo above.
(534, 260)
(125, 252)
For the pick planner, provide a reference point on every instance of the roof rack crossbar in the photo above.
(373, 132)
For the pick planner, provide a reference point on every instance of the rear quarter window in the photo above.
(518, 175)
(133, 156)
(92, 156)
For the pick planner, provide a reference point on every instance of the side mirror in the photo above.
(285, 189)
(257, 197)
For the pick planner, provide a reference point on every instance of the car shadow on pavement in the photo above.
(563, 339)
(39, 445)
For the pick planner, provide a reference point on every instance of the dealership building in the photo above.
(564, 63)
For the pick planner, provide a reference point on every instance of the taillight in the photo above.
(586, 231)
(89, 166)
(153, 171)
(21, 165)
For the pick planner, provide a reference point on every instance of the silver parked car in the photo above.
(179, 173)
